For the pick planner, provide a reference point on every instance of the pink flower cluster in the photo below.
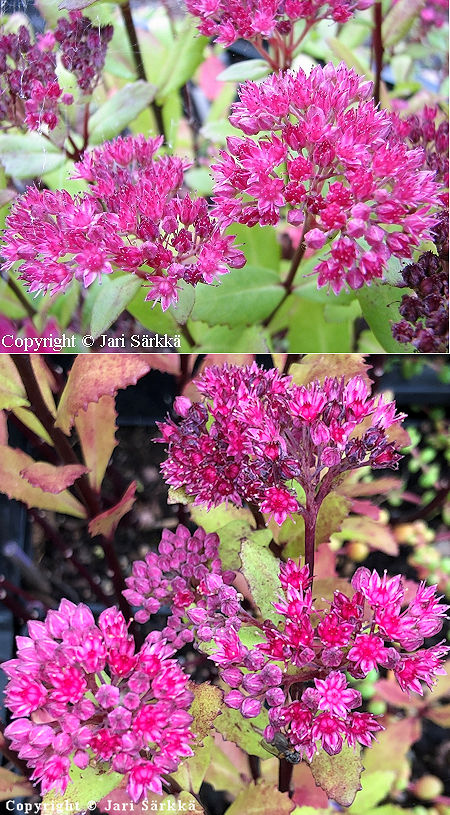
(132, 218)
(78, 691)
(257, 431)
(230, 20)
(178, 576)
(30, 94)
(298, 668)
(83, 48)
(330, 161)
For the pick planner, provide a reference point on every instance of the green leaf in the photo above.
(222, 339)
(219, 517)
(310, 332)
(231, 536)
(244, 297)
(28, 155)
(261, 570)
(199, 179)
(380, 307)
(184, 57)
(339, 776)
(186, 299)
(119, 110)
(205, 708)
(247, 69)
(261, 798)
(151, 316)
(91, 784)
(375, 787)
(112, 298)
(399, 20)
(233, 727)
(191, 772)
(259, 244)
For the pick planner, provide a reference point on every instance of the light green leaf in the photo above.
(231, 536)
(340, 775)
(311, 332)
(191, 772)
(375, 787)
(119, 110)
(247, 69)
(261, 570)
(186, 299)
(151, 316)
(233, 727)
(219, 517)
(112, 298)
(184, 57)
(28, 155)
(222, 339)
(244, 297)
(91, 784)
(399, 20)
(380, 307)
(261, 799)
(259, 244)
(199, 179)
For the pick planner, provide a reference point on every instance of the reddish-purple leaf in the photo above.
(96, 428)
(12, 463)
(94, 376)
(50, 478)
(106, 523)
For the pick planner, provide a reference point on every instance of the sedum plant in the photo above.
(107, 710)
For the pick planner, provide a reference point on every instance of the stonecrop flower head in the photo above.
(134, 218)
(230, 20)
(30, 94)
(257, 432)
(83, 48)
(172, 577)
(425, 311)
(299, 664)
(79, 691)
(332, 163)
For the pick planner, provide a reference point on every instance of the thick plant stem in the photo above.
(284, 775)
(378, 49)
(63, 447)
(140, 69)
(288, 284)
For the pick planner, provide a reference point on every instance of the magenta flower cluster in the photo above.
(133, 218)
(83, 48)
(298, 666)
(319, 642)
(178, 576)
(79, 692)
(257, 432)
(330, 161)
(230, 20)
(30, 94)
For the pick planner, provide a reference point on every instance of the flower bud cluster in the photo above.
(132, 218)
(425, 311)
(230, 20)
(327, 159)
(299, 666)
(78, 691)
(257, 432)
(30, 93)
(186, 570)
(83, 48)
